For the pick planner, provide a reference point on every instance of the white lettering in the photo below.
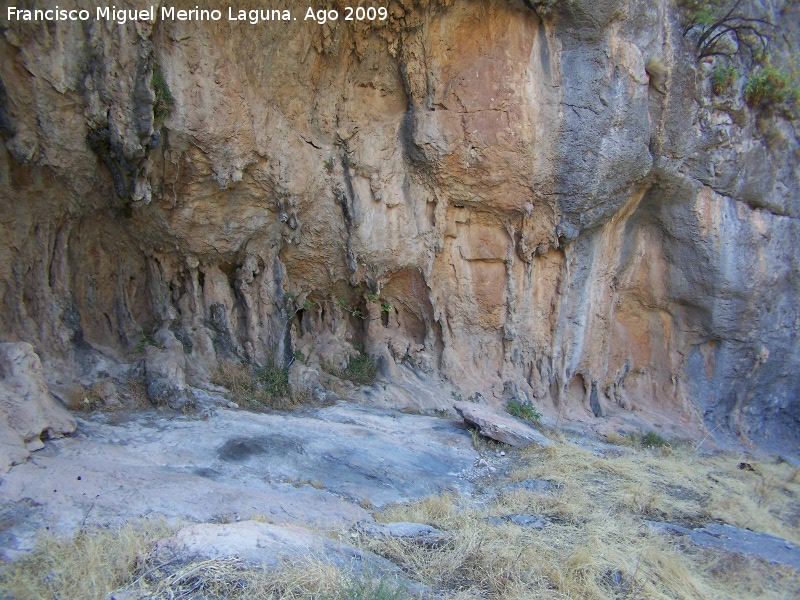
(321, 16)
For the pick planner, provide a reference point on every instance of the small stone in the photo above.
(502, 454)
(501, 426)
(232, 405)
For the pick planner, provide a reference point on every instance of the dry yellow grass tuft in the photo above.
(597, 545)
(676, 484)
(89, 566)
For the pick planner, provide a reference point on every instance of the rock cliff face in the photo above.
(549, 207)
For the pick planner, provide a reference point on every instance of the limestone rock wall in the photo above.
(515, 203)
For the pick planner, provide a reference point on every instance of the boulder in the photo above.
(27, 409)
(721, 536)
(267, 545)
(165, 371)
(304, 385)
(501, 427)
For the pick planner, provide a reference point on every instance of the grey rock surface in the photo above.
(266, 545)
(28, 412)
(563, 205)
(310, 468)
(165, 371)
(501, 427)
(740, 541)
(536, 486)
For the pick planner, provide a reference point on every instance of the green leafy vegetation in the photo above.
(723, 77)
(164, 101)
(649, 439)
(767, 86)
(523, 410)
(361, 369)
(652, 440)
(725, 28)
(256, 387)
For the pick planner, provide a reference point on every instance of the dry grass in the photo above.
(89, 567)
(130, 395)
(86, 399)
(101, 561)
(256, 388)
(597, 545)
(230, 579)
(676, 484)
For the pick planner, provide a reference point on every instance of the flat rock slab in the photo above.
(501, 427)
(740, 541)
(320, 468)
(266, 545)
(418, 533)
(526, 521)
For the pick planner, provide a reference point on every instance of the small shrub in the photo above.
(86, 399)
(723, 78)
(361, 369)
(768, 87)
(256, 387)
(523, 410)
(652, 440)
(164, 100)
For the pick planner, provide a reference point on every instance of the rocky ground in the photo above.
(324, 467)
(262, 488)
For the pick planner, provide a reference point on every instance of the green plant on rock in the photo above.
(723, 77)
(523, 410)
(652, 440)
(164, 100)
(767, 87)
(256, 387)
(361, 369)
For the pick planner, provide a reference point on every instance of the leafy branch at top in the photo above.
(724, 30)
